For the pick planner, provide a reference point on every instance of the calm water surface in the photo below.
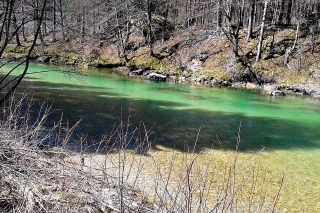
(178, 111)
(288, 127)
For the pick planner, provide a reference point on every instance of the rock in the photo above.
(52, 61)
(199, 79)
(277, 93)
(137, 72)
(124, 70)
(214, 82)
(315, 95)
(185, 73)
(174, 78)
(70, 63)
(194, 66)
(44, 59)
(268, 88)
(250, 85)
(225, 84)
(297, 90)
(182, 79)
(156, 77)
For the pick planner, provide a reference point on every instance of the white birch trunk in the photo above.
(262, 30)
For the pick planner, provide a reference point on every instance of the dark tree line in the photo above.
(84, 20)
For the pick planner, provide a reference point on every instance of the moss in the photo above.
(262, 66)
(292, 77)
(217, 74)
(16, 51)
(286, 75)
(103, 61)
(214, 68)
(177, 71)
(148, 62)
(70, 56)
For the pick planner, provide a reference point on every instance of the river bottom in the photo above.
(301, 188)
(256, 180)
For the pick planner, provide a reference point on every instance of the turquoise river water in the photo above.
(287, 127)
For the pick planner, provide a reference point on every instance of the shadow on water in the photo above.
(173, 127)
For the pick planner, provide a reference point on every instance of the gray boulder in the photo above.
(156, 77)
(277, 93)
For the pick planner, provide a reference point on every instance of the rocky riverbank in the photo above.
(198, 57)
(306, 89)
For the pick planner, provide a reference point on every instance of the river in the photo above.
(287, 127)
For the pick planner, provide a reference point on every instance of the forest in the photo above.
(214, 42)
(87, 21)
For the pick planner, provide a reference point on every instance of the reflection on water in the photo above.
(288, 127)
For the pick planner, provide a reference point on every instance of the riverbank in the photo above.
(201, 57)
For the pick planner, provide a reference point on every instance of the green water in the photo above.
(178, 111)
(288, 127)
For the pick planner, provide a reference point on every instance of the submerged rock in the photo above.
(277, 93)
(137, 72)
(225, 83)
(123, 69)
(156, 77)
(44, 59)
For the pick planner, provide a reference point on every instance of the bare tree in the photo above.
(262, 30)
(6, 32)
(251, 19)
(281, 12)
(7, 84)
(288, 14)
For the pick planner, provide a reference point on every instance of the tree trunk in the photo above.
(6, 19)
(83, 22)
(149, 26)
(122, 53)
(6, 25)
(20, 77)
(165, 22)
(262, 30)
(288, 15)
(18, 39)
(61, 19)
(296, 36)
(22, 27)
(313, 39)
(35, 16)
(251, 17)
(281, 13)
(16, 30)
(54, 21)
(219, 13)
